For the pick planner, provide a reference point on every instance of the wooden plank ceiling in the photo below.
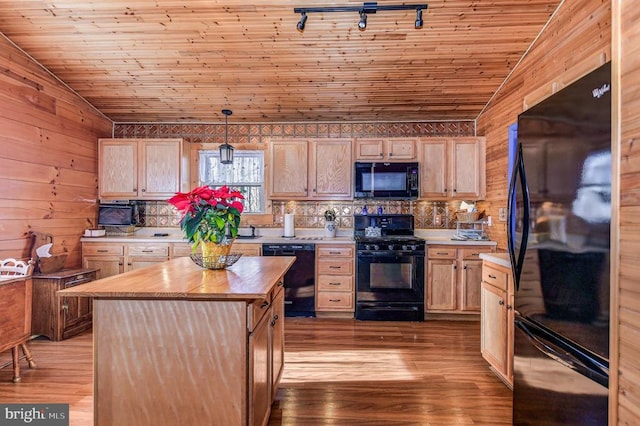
(175, 60)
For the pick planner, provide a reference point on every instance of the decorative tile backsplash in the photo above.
(310, 214)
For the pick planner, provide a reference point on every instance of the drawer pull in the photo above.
(334, 252)
(442, 253)
(335, 300)
(102, 251)
(147, 251)
(76, 282)
(493, 277)
(334, 283)
(335, 267)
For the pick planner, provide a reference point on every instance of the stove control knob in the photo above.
(376, 247)
(391, 246)
(367, 247)
(405, 247)
(414, 247)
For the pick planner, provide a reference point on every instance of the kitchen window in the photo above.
(245, 174)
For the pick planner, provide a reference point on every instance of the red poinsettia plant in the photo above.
(209, 214)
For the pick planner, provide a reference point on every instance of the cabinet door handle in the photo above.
(65, 307)
(391, 154)
(465, 267)
(144, 190)
(264, 304)
(509, 307)
(501, 302)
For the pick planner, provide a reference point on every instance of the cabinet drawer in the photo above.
(256, 310)
(181, 250)
(149, 250)
(335, 300)
(335, 266)
(346, 251)
(335, 283)
(99, 249)
(78, 279)
(441, 253)
(472, 253)
(494, 277)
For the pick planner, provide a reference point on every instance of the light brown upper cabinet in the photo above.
(302, 169)
(143, 169)
(452, 168)
(385, 149)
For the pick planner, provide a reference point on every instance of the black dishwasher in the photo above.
(299, 281)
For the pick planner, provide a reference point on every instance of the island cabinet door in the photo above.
(277, 340)
(259, 403)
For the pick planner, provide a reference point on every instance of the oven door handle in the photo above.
(375, 254)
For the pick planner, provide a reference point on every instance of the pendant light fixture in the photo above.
(226, 150)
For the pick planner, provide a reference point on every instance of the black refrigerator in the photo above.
(559, 243)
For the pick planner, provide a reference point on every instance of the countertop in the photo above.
(249, 278)
(274, 236)
(501, 259)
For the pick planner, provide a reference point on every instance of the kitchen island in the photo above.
(178, 344)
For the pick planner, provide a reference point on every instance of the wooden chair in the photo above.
(15, 284)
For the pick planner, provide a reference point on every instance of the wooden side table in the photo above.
(61, 317)
(15, 317)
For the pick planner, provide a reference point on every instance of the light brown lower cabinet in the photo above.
(496, 325)
(335, 289)
(453, 277)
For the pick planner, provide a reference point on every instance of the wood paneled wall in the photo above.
(626, 311)
(48, 157)
(576, 40)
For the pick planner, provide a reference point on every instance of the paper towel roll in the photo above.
(289, 230)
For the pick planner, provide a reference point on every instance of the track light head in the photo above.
(362, 24)
(302, 22)
(419, 18)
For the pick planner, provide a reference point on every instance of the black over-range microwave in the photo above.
(386, 180)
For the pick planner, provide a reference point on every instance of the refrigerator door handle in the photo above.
(547, 347)
(518, 172)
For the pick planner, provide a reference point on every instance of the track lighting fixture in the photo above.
(302, 21)
(226, 150)
(362, 24)
(366, 8)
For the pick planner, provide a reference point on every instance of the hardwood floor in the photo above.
(337, 372)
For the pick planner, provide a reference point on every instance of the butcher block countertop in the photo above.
(249, 278)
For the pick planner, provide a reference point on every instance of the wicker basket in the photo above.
(49, 265)
(467, 216)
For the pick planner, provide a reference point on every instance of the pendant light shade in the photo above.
(226, 150)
